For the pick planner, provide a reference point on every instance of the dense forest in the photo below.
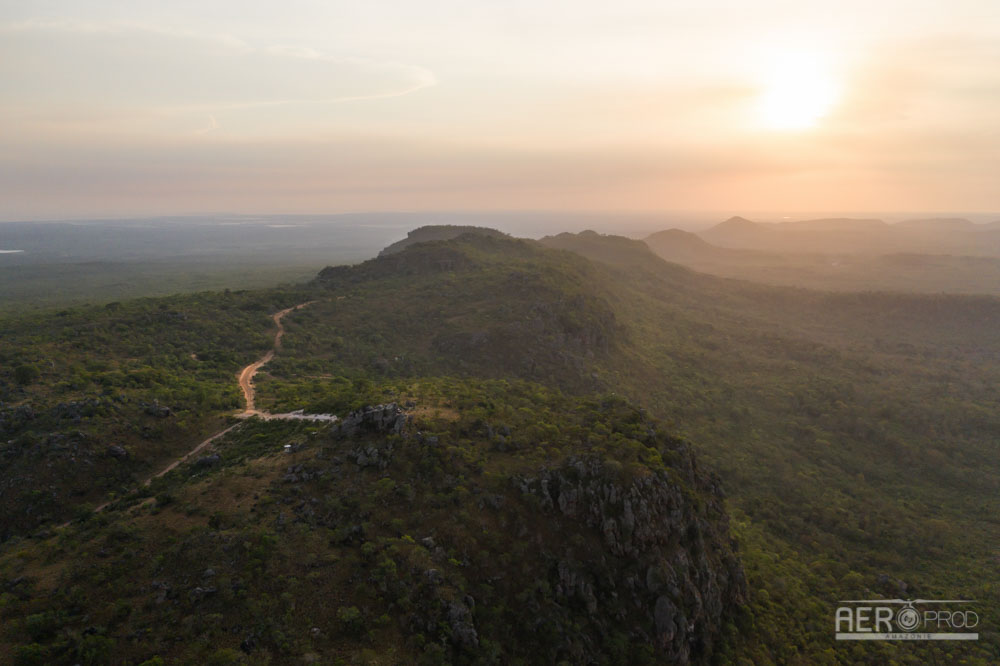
(790, 448)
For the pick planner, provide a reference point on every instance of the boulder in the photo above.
(156, 409)
(118, 452)
(199, 593)
(208, 461)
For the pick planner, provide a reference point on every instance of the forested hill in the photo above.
(538, 393)
(437, 232)
(449, 517)
(854, 432)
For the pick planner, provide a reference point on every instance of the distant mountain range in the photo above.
(846, 235)
(921, 255)
(678, 245)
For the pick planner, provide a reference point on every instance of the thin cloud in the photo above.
(136, 65)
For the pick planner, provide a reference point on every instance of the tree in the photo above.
(25, 374)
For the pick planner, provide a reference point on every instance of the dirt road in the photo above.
(246, 375)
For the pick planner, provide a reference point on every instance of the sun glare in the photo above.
(796, 94)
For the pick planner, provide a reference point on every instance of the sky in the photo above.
(134, 107)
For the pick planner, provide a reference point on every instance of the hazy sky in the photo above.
(120, 107)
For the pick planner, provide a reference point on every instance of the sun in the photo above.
(796, 94)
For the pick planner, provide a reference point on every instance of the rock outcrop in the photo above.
(673, 565)
(388, 418)
(14, 418)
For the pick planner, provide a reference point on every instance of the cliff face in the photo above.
(597, 557)
(662, 568)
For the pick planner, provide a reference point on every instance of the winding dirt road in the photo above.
(245, 377)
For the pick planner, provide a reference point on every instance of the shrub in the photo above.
(94, 650)
(42, 625)
(225, 657)
(155, 661)
(29, 655)
(25, 374)
(351, 620)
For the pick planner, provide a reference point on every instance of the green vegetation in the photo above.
(437, 232)
(854, 435)
(854, 432)
(40, 287)
(147, 376)
(421, 547)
